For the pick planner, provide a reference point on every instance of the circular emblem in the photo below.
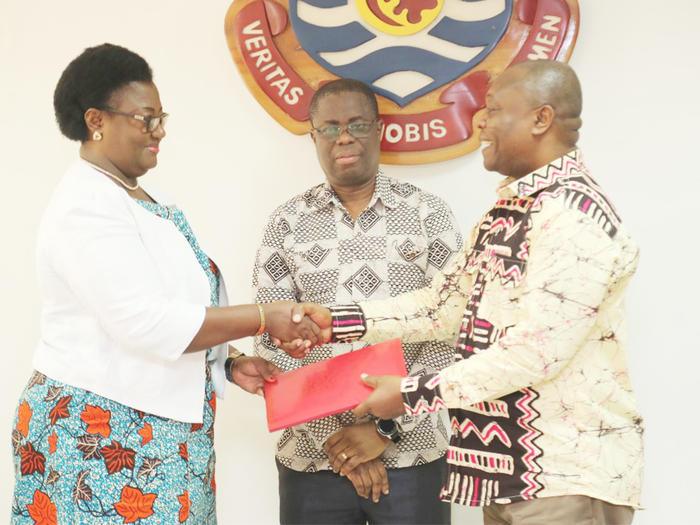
(429, 61)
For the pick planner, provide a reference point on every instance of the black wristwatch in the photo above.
(388, 428)
(233, 354)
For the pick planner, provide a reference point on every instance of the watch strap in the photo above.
(233, 354)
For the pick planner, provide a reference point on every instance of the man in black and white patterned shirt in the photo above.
(361, 235)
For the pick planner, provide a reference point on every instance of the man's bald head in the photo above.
(551, 83)
(533, 114)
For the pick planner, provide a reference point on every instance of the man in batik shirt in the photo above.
(360, 235)
(544, 419)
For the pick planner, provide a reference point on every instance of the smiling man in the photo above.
(544, 419)
(360, 235)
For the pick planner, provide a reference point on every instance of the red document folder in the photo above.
(329, 386)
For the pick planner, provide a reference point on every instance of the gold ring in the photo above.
(343, 456)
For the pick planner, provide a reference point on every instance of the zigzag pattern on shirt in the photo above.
(495, 266)
(567, 164)
(491, 431)
(527, 441)
(423, 406)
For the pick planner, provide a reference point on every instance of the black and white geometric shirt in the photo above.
(313, 250)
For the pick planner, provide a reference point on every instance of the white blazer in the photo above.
(123, 296)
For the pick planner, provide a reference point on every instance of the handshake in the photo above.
(293, 327)
(297, 327)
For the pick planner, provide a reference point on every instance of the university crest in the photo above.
(429, 61)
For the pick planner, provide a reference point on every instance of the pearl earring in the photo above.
(97, 135)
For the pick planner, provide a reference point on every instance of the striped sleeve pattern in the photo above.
(348, 323)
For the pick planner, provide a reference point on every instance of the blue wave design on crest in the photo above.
(317, 39)
(404, 58)
(483, 33)
(339, 38)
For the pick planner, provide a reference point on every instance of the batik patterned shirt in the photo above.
(313, 250)
(540, 398)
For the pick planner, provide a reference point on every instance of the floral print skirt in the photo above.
(83, 459)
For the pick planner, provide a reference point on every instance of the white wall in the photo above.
(230, 164)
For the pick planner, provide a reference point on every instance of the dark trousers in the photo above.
(325, 498)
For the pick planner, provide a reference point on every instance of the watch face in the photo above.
(386, 425)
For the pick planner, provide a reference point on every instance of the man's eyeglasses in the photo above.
(151, 122)
(358, 130)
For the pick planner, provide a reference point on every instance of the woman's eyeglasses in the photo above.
(151, 122)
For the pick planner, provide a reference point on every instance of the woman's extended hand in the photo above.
(250, 373)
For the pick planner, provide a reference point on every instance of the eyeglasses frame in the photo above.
(162, 118)
(345, 129)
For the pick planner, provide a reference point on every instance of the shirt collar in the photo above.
(544, 176)
(324, 194)
(383, 191)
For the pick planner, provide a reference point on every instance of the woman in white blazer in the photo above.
(116, 422)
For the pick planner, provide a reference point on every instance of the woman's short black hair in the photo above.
(90, 80)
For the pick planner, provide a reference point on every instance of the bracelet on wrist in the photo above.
(262, 319)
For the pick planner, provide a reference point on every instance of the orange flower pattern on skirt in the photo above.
(107, 463)
(134, 505)
(184, 500)
(146, 433)
(24, 414)
(97, 420)
(41, 510)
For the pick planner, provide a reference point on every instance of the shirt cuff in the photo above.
(421, 394)
(348, 323)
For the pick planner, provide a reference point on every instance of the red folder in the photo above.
(329, 386)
